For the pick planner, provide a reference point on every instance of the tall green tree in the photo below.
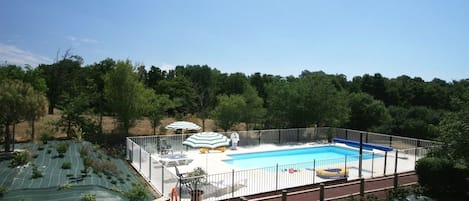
(17, 101)
(313, 98)
(125, 95)
(229, 110)
(61, 77)
(254, 112)
(158, 106)
(367, 114)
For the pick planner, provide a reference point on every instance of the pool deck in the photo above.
(214, 165)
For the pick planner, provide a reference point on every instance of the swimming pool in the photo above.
(323, 155)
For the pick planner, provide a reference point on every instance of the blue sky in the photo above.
(423, 38)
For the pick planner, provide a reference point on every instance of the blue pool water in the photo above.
(324, 155)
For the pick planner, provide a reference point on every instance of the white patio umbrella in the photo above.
(183, 125)
(208, 140)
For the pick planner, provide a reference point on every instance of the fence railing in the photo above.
(142, 153)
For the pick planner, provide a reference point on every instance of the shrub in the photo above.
(20, 158)
(440, 177)
(40, 148)
(62, 148)
(88, 197)
(46, 137)
(66, 165)
(49, 151)
(136, 193)
(84, 150)
(3, 190)
(65, 186)
(36, 173)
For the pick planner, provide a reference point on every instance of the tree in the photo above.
(72, 118)
(97, 73)
(17, 101)
(311, 99)
(125, 95)
(366, 113)
(158, 106)
(61, 77)
(229, 110)
(254, 112)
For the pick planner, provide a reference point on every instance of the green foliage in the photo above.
(157, 108)
(197, 177)
(314, 98)
(88, 197)
(62, 148)
(137, 193)
(20, 158)
(3, 190)
(18, 101)
(66, 165)
(397, 194)
(36, 173)
(367, 113)
(440, 177)
(125, 94)
(65, 186)
(229, 110)
(46, 136)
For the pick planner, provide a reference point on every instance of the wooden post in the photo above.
(362, 188)
(284, 195)
(321, 192)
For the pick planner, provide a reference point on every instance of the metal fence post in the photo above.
(232, 182)
(259, 134)
(395, 180)
(395, 162)
(162, 181)
(385, 160)
(345, 172)
(346, 134)
(390, 140)
(140, 159)
(276, 177)
(314, 171)
(149, 167)
(372, 163)
(297, 135)
(279, 136)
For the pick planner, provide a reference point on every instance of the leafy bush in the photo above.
(84, 150)
(62, 148)
(66, 165)
(136, 193)
(88, 197)
(36, 173)
(3, 190)
(65, 186)
(20, 158)
(440, 177)
(46, 137)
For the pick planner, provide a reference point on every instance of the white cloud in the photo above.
(167, 67)
(13, 55)
(79, 41)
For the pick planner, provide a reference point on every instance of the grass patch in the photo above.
(66, 165)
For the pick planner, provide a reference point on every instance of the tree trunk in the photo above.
(33, 129)
(7, 138)
(51, 108)
(100, 121)
(13, 138)
(203, 124)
